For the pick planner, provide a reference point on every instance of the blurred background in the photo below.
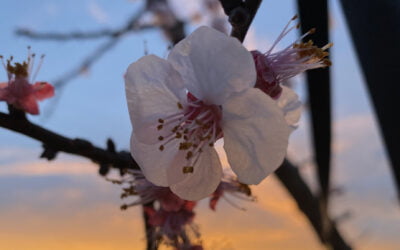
(66, 204)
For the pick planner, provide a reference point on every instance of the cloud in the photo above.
(45, 168)
(272, 222)
(98, 13)
(360, 168)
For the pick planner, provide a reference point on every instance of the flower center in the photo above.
(195, 126)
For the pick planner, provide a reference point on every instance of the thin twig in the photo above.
(75, 35)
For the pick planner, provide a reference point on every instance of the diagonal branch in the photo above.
(74, 35)
(131, 25)
(291, 179)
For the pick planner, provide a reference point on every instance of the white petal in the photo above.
(213, 65)
(155, 163)
(291, 106)
(255, 135)
(204, 180)
(153, 87)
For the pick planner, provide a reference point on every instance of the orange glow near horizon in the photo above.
(72, 222)
(67, 206)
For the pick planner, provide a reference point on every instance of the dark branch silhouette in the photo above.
(290, 178)
(57, 143)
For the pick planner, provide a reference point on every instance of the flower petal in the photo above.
(213, 65)
(29, 105)
(255, 135)
(290, 104)
(155, 163)
(206, 176)
(153, 87)
(3, 91)
(43, 90)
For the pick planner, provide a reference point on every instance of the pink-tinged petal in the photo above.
(291, 106)
(18, 90)
(255, 135)
(213, 65)
(204, 179)
(155, 163)
(29, 105)
(43, 90)
(170, 202)
(153, 88)
(215, 197)
(3, 91)
(156, 218)
(266, 78)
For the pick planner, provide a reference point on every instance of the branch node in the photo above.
(16, 113)
(104, 169)
(239, 17)
(49, 153)
(110, 145)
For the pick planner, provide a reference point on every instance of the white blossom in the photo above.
(203, 91)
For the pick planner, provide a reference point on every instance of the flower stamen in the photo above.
(196, 125)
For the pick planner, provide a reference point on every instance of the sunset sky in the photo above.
(65, 204)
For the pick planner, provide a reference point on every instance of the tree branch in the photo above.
(241, 15)
(290, 178)
(131, 25)
(58, 143)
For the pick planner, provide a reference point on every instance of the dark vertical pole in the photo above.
(375, 29)
(314, 14)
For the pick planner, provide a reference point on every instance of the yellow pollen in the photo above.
(245, 189)
(327, 62)
(185, 145)
(308, 49)
(329, 45)
(189, 155)
(175, 129)
(187, 169)
(198, 122)
(179, 105)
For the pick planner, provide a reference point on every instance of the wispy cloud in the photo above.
(98, 13)
(44, 168)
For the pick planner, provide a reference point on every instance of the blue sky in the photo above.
(93, 107)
